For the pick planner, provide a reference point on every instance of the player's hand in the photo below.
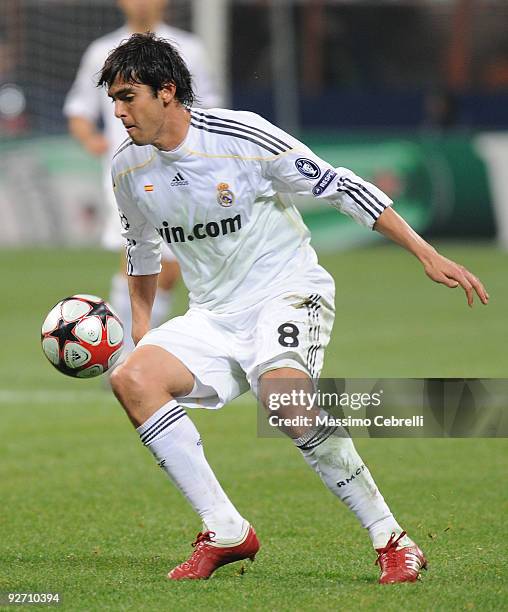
(96, 144)
(447, 272)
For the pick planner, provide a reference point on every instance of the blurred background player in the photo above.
(86, 107)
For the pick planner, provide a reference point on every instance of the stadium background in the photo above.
(410, 94)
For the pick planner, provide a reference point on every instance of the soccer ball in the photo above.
(82, 336)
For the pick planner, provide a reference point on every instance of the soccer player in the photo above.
(261, 307)
(85, 105)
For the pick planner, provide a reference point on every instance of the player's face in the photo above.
(143, 114)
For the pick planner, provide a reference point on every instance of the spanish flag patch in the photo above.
(148, 187)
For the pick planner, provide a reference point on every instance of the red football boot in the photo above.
(400, 564)
(206, 557)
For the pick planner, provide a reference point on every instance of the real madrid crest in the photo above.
(225, 197)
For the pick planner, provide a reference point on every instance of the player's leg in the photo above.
(148, 379)
(146, 385)
(329, 451)
(155, 387)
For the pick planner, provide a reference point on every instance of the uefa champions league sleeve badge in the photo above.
(225, 197)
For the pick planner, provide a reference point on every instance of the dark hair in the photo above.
(148, 60)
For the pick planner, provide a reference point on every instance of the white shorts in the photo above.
(227, 353)
(112, 239)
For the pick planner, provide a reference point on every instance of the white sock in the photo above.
(342, 470)
(161, 307)
(120, 300)
(175, 442)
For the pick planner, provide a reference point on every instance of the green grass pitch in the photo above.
(85, 511)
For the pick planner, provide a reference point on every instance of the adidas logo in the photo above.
(179, 180)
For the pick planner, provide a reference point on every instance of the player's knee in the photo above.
(283, 381)
(127, 381)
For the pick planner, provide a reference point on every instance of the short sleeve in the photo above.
(143, 243)
(84, 97)
(300, 171)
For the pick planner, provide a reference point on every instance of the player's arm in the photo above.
(438, 268)
(302, 172)
(142, 293)
(298, 170)
(82, 106)
(143, 251)
(86, 133)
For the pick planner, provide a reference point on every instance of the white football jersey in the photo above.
(85, 99)
(222, 201)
